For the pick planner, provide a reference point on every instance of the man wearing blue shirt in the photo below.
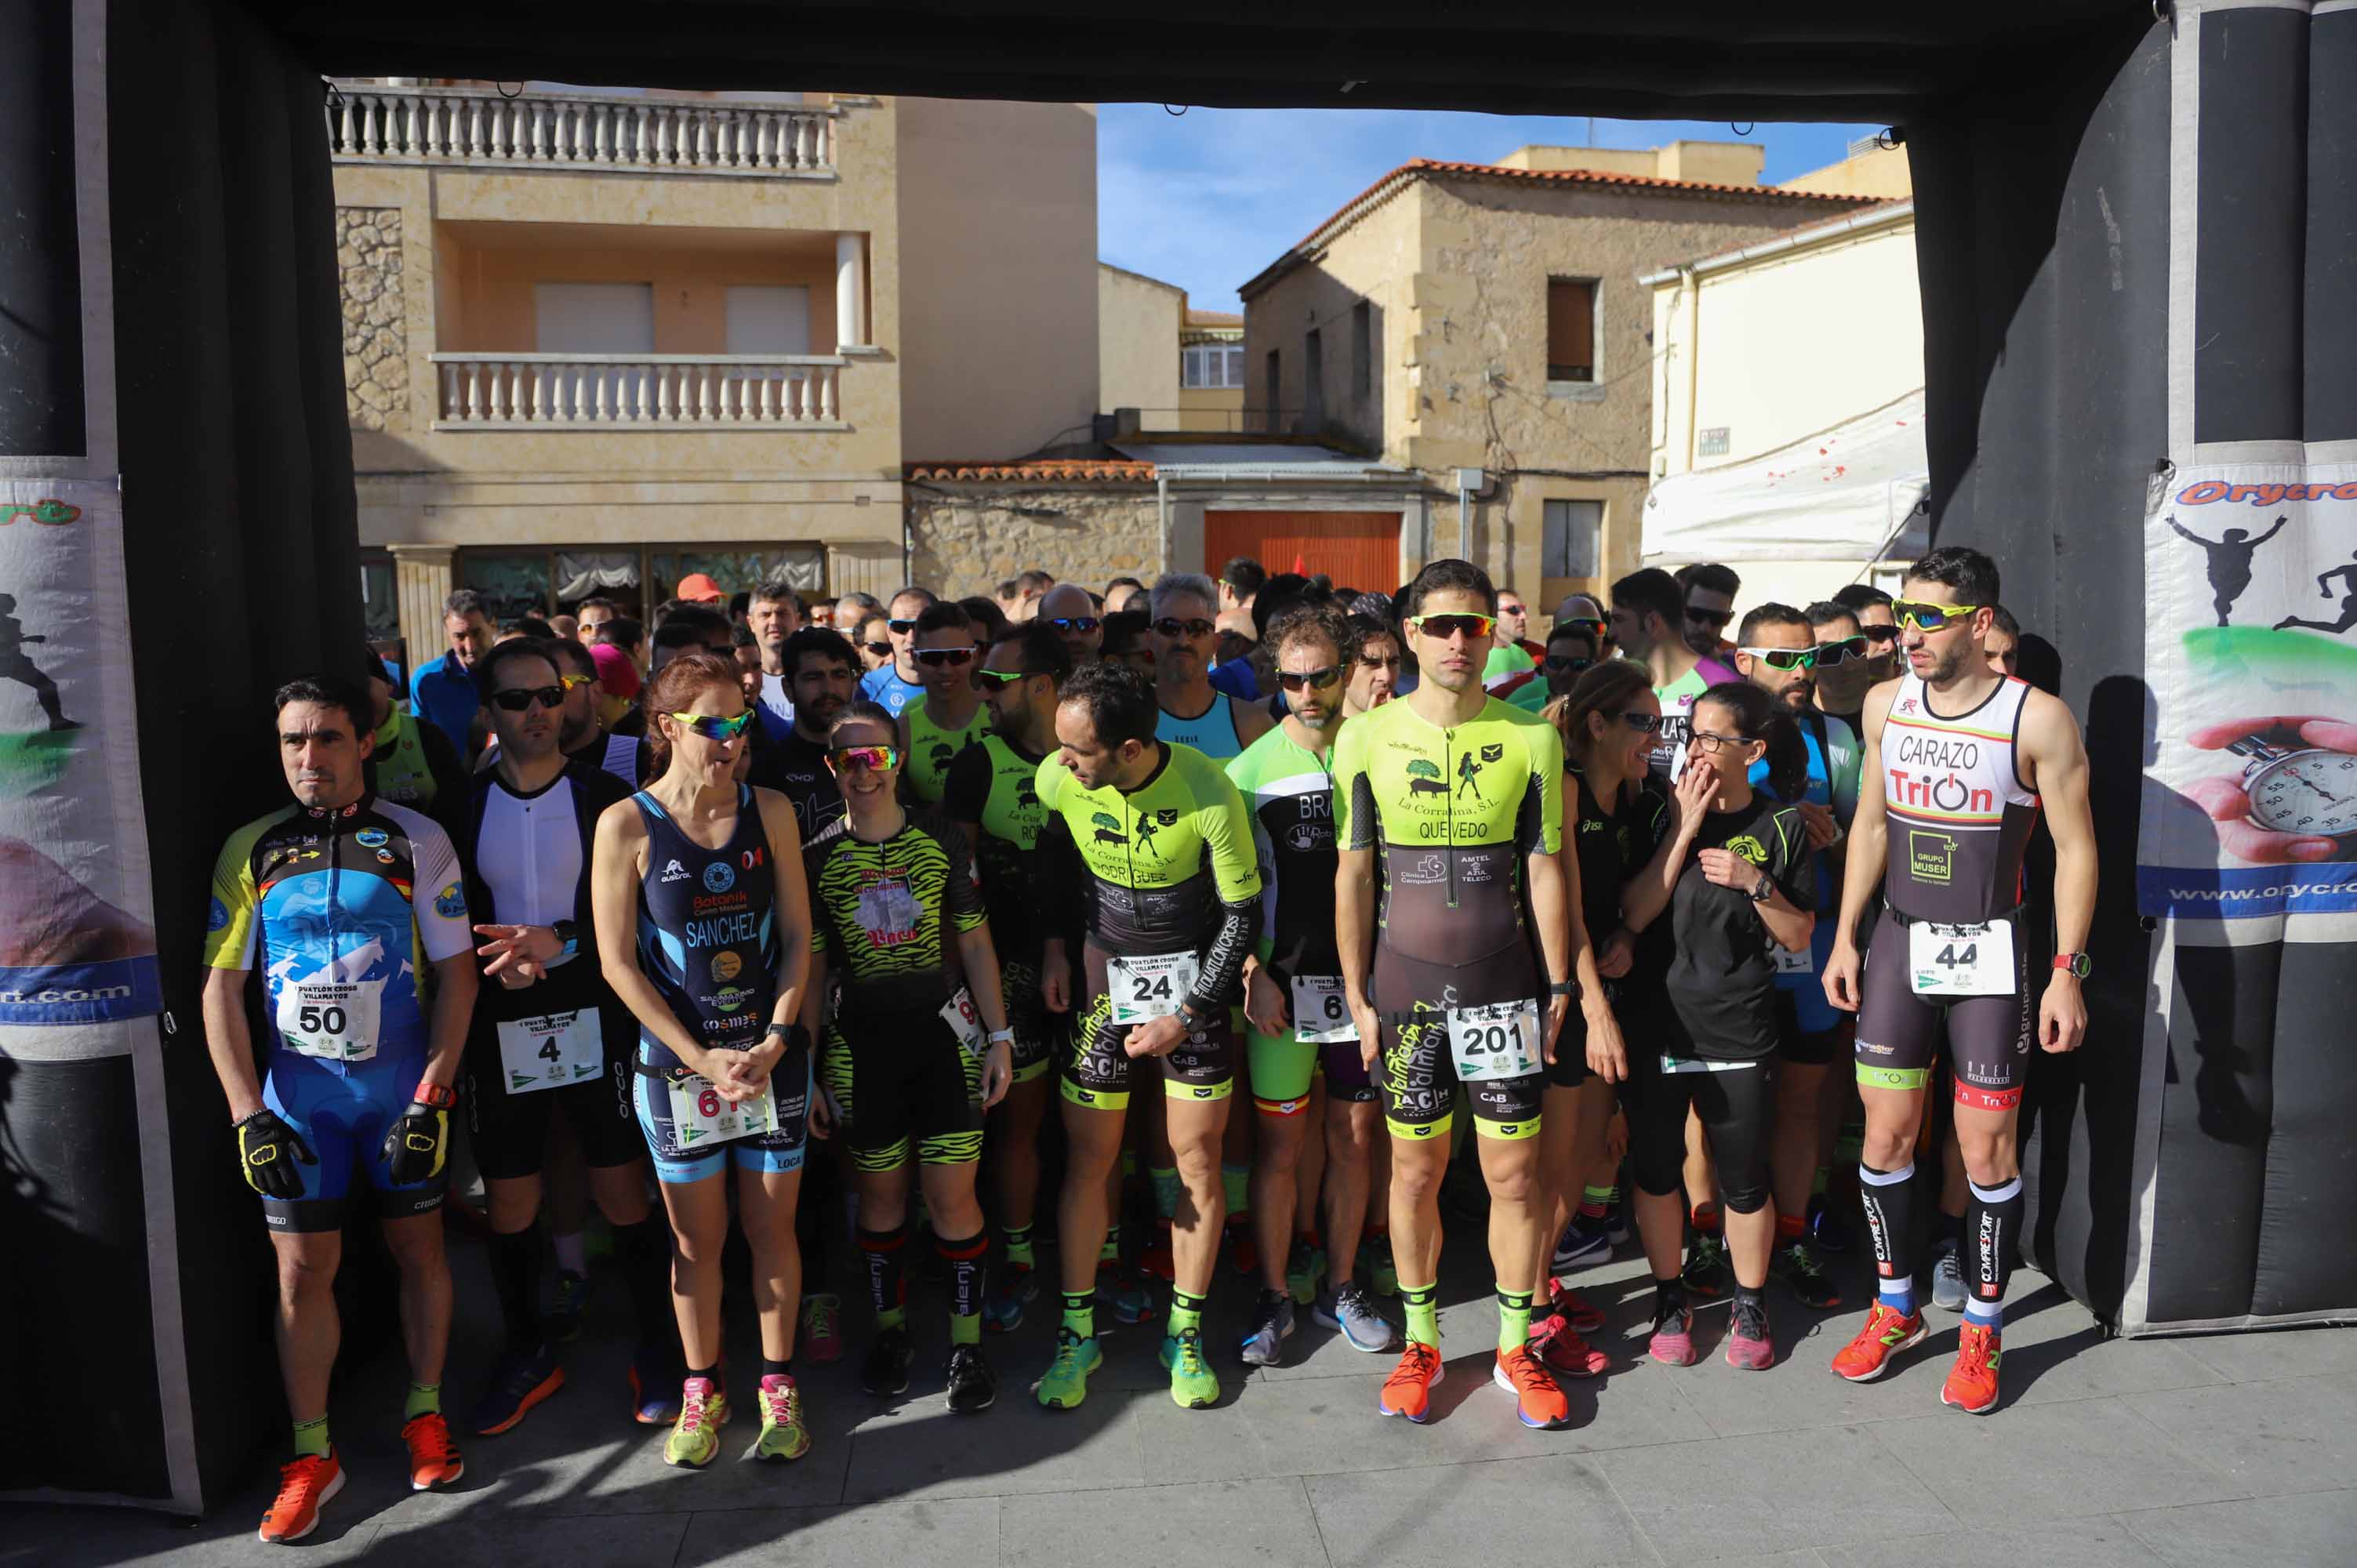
(442, 690)
(895, 685)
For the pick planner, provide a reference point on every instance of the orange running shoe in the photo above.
(1538, 1398)
(432, 1458)
(1408, 1390)
(1887, 1332)
(305, 1484)
(1972, 1382)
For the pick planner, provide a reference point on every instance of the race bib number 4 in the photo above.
(1320, 1014)
(1150, 987)
(552, 1050)
(700, 1117)
(959, 1013)
(335, 1019)
(1500, 1040)
(1961, 961)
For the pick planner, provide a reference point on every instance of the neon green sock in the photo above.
(892, 1317)
(1237, 1182)
(1018, 1246)
(1166, 1189)
(1128, 1163)
(1598, 1195)
(1422, 1304)
(1080, 1313)
(1111, 1251)
(424, 1399)
(311, 1437)
(1514, 1319)
(1186, 1312)
(965, 1328)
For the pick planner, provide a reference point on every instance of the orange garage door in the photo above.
(1357, 549)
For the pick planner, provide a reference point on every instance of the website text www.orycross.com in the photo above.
(2276, 890)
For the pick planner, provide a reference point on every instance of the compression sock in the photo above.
(1890, 1220)
(1514, 1319)
(1669, 1297)
(311, 1437)
(1080, 1313)
(887, 1278)
(1109, 1251)
(1235, 1182)
(1018, 1246)
(1704, 1219)
(1594, 1200)
(1165, 1182)
(1422, 1304)
(770, 1368)
(966, 1269)
(710, 1374)
(571, 1253)
(1992, 1217)
(1186, 1312)
(1751, 1304)
(424, 1399)
(515, 1280)
(643, 1252)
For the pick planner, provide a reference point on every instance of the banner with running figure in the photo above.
(2250, 798)
(77, 938)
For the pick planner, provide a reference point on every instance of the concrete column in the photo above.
(421, 578)
(850, 291)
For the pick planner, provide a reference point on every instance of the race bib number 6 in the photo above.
(699, 1117)
(334, 1019)
(1320, 1016)
(1150, 987)
(1499, 1040)
(1961, 961)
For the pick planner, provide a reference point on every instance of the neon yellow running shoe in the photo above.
(783, 1435)
(1193, 1384)
(1067, 1382)
(694, 1438)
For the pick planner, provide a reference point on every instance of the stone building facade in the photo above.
(973, 527)
(376, 323)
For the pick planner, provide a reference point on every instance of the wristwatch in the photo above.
(2299, 790)
(1763, 890)
(2076, 963)
(1000, 1037)
(1188, 1019)
(568, 932)
(1563, 988)
(435, 1096)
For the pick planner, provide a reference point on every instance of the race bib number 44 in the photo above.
(335, 1019)
(552, 1051)
(1500, 1040)
(1961, 961)
(700, 1117)
(1320, 1014)
(1150, 987)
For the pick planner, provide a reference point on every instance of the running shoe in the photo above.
(1408, 1390)
(1560, 1346)
(1157, 1259)
(1066, 1383)
(1831, 1231)
(433, 1458)
(822, 1329)
(1122, 1291)
(1575, 1309)
(1264, 1346)
(1538, 1400)
(974, 1387)
(1885, 1334)
(1673, 1341)
(306, 1484)
(694, 1437)
(519, 1379)
(1303, 1271)
(1971, 1381)
(1193, 1385)
(1011, 1289)
(1348, 1310)
(564, 1323)
(783, 1435)
(1749, 1348)
(1582, 1241)
(1948, 1279)
(1243, 1253)
(654, 1387)
(1708, 1273)
(1616, 1223)
(1375, 1262)
(1795, 1264)
(886, 1370)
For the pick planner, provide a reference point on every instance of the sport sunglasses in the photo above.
(515, 700)
(1847, 649)
(1567, 663)
(1709, 618)
(1783, 658)
(1447, 626)
(1294, 681)
(1173, 628)
(999, 679)
(878, 649)
(875, 758)
(938, 657)
(901, 627)
(714, 728)
(1928, 617)
(1084, 624)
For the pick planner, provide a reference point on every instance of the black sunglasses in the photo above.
(1642, 721)
(999, 679)
(878, 649)
(515, 700)
(1839, 653)
(1173, 628)
(902, 627)
(1882, 633)
(938, 657)
(1561, 664)
(1082, 624)
(1293, 681)
(1709, 618)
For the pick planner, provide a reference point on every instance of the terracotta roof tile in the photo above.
(1415, 169)
(1067, 470)
(1214, 318)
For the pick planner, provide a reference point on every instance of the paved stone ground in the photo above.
(2237, 1450)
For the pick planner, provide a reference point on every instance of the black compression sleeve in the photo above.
(1223, 960)
(1063, 875)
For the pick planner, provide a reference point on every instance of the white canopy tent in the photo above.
(1854, 492)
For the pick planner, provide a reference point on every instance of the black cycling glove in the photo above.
(415, 1143)
(267, 1149)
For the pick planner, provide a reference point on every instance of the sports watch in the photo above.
(568, 936)
(2301, 790)
(2077, 963)
(435, 1096)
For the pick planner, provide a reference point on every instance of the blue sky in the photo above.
(1208, 198)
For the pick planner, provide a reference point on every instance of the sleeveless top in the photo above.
(933, 746)
(1959, 813)
(1212, 732)
(707, 929)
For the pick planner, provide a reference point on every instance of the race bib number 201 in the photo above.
(1497, 1041)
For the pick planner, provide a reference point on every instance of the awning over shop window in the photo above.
(1852, 493)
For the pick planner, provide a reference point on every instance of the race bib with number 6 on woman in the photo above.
(700, 1117)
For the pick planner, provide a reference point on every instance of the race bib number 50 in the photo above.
(335, 1019)
(1500, 1040)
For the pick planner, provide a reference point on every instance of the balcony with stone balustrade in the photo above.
(537, 128)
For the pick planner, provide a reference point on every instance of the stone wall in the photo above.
(969, 538)
(376, 348)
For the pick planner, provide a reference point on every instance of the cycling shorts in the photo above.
(1282, 1070)
(510, 1131)
(343, 1113)
(1036, 1031)
(896, 1080)
(1097, 1069)
(1899, 1032)
(1418, 1072)
(769, 1153)
(1736, 1101)
(1569, 1069)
